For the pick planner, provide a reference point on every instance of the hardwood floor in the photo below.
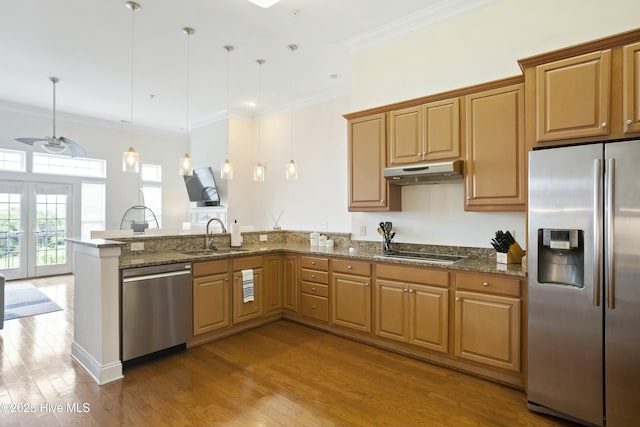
(282, 374)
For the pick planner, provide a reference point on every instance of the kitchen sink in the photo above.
(224, 251)
(423, 257)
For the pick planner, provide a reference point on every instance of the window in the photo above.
(10, 211)
(92, 209)
(12, 160)
(52, 164)
(151, 176)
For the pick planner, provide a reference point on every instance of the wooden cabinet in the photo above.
(573, 96)
(351, 294)
(487, 320)
(631, 87)
(495, 178)
(368, 190)
(243, 311)
(425, 132)
(314, 287)
(211, 296)
(273, 289)
(409, 311)
(290, 291)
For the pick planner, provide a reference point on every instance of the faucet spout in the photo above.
(208, 236)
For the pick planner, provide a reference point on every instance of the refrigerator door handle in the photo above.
(610, 277)
(597, 229)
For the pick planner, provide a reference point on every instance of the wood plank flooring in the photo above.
(282, 374)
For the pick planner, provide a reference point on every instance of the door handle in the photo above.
(609, 214)
(597, 229)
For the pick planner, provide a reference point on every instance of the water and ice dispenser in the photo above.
(561, 257)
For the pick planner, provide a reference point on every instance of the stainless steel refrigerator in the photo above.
(584, 283)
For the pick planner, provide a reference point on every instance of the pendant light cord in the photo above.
(293, 48)
(133, 31)
(188, 31)
(54, 80)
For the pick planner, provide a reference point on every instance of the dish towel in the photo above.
(247, 286)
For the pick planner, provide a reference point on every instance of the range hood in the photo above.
(424, 173)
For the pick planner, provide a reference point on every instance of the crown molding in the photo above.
(423, 18)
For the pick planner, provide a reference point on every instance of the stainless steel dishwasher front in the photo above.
(155, 309)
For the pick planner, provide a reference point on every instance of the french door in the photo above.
(35, 218)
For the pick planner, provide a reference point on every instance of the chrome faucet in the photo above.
(208, 240)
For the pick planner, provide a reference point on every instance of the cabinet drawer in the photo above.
(247, 263)
(315, 289)
(493, 284)
(315, 307)
(352, 267)
(418, 275)
(207, 268)
(314, 276)
(314, 263)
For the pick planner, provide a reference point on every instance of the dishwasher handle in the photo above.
(155, 276)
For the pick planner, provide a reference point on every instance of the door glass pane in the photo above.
(51, 229)
(9, 230)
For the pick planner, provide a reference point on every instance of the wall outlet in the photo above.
(264, 237)
(363, 230)
(137, 246)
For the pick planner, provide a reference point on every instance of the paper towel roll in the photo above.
(236, 237)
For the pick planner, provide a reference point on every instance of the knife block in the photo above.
(514, 256)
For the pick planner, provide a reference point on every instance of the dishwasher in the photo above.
(155, 311)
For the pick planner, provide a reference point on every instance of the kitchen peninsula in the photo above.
(347, 290)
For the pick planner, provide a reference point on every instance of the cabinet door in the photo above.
(351, 302)
(441, 129)
(429, 317)
(631, 87)
(368, 190)
(487, 329)
(405, 136)
(392, 310)
(495, 176)
(291, 283)
(273, 284)
(243, 311)
(573, 97)
(211, 303)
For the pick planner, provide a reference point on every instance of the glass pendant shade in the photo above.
(185, 165)
(292, 171)
(227, 170)
(130, 161)
(258, 173)
(264, 3)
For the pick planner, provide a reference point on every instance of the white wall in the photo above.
(480, 46)
(107, 140)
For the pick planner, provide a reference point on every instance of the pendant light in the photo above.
(185, 161)
(292, 168)
(258, 170)
(227, 167)
(130, 158)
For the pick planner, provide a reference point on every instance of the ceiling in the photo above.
(87, 44)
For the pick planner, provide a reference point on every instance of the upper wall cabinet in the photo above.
(584, 93)
(425, 132)
(572, 97)
(367, 144)
(495, 175)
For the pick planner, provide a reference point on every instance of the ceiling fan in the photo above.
(53, 144)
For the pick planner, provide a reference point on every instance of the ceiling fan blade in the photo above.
(74, 147)
(30, 141)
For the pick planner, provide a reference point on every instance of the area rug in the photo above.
(24, 299)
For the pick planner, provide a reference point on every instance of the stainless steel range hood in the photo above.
(424, 173)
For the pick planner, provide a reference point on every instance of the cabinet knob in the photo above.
(485, 284)
(405, 290)
(410, 291)
(313, 307)
(349, 267)
(457, 298)
(629, 122)
(313, 263)
(381, 200)
(313, 276)
(604, 124)
(366, 284)
(313, 289)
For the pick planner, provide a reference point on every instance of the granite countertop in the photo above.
(471, 264)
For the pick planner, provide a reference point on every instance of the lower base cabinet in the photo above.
(243, 311)
(351, 294)
(487, 326)
(211, 296)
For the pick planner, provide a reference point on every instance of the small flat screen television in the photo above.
(201, 187)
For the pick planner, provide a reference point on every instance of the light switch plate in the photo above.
(264, 237)
(363, 230)
(137, 246)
